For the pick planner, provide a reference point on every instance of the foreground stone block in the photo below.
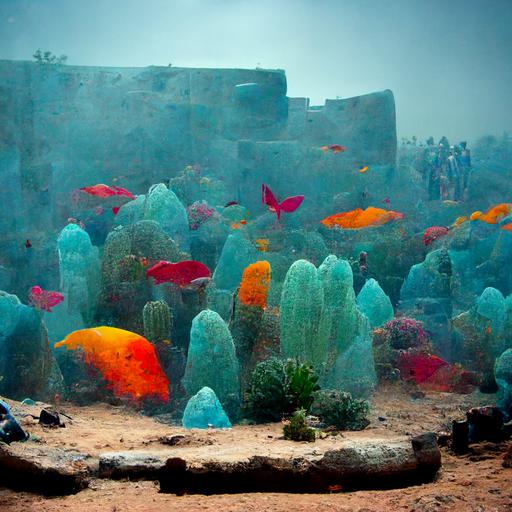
(135, 465)
(46, 470)
(353, 465)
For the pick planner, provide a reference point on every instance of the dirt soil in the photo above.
(476, 482)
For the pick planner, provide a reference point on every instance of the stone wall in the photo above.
(64, 127)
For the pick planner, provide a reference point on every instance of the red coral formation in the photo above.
(433, 233)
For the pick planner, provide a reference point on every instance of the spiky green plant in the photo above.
(297, 428)
(277, 388)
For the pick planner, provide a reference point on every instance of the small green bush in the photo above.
(277, 388)
(338, 409)
(297, 428)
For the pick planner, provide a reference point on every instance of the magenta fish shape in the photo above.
(288, 205)
(43, 299)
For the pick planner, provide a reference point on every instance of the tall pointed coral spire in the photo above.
(255, 284)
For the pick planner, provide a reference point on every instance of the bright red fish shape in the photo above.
(181, 273)
(290, 204)
(43, 299)
(102, 190)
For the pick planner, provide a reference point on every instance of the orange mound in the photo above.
(255, 284)
(127, 361)
(507, 227)
(494, 214)
(359, 218)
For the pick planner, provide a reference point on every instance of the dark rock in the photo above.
(49, 418)
(460, 436)
(443, 438)
(10, 430)
(485, 424)
(507, 430)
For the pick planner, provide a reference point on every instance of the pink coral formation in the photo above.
(43, 299)
(198, 213)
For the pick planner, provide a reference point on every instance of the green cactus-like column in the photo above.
(350, 363)
(302, 302)
(339, 317)
(157, 318)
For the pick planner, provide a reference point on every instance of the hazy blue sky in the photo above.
(449, 62)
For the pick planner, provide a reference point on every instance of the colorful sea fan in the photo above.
(126, 360)
(255, 284)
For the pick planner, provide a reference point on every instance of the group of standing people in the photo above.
(447, 170)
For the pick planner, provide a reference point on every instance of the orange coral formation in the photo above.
(358, 218)
(262, 244)
(127, 361)
(494, 214)
(507, 227)
(255, 284)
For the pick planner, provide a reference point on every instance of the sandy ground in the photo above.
(476, 482)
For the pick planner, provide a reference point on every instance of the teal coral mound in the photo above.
(484, 331)
(430, 278)
(354, 368)
(302, 302)
(212, 360)
(491, 305)
(426, 295)
(27, 365)
(79, 271)
(375, 304)
(163, 206)
(237, 253)
(503, 376)
(204, 410)
(131, 212)
(10, 307)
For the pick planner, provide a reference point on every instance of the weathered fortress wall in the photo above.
(63, 127)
